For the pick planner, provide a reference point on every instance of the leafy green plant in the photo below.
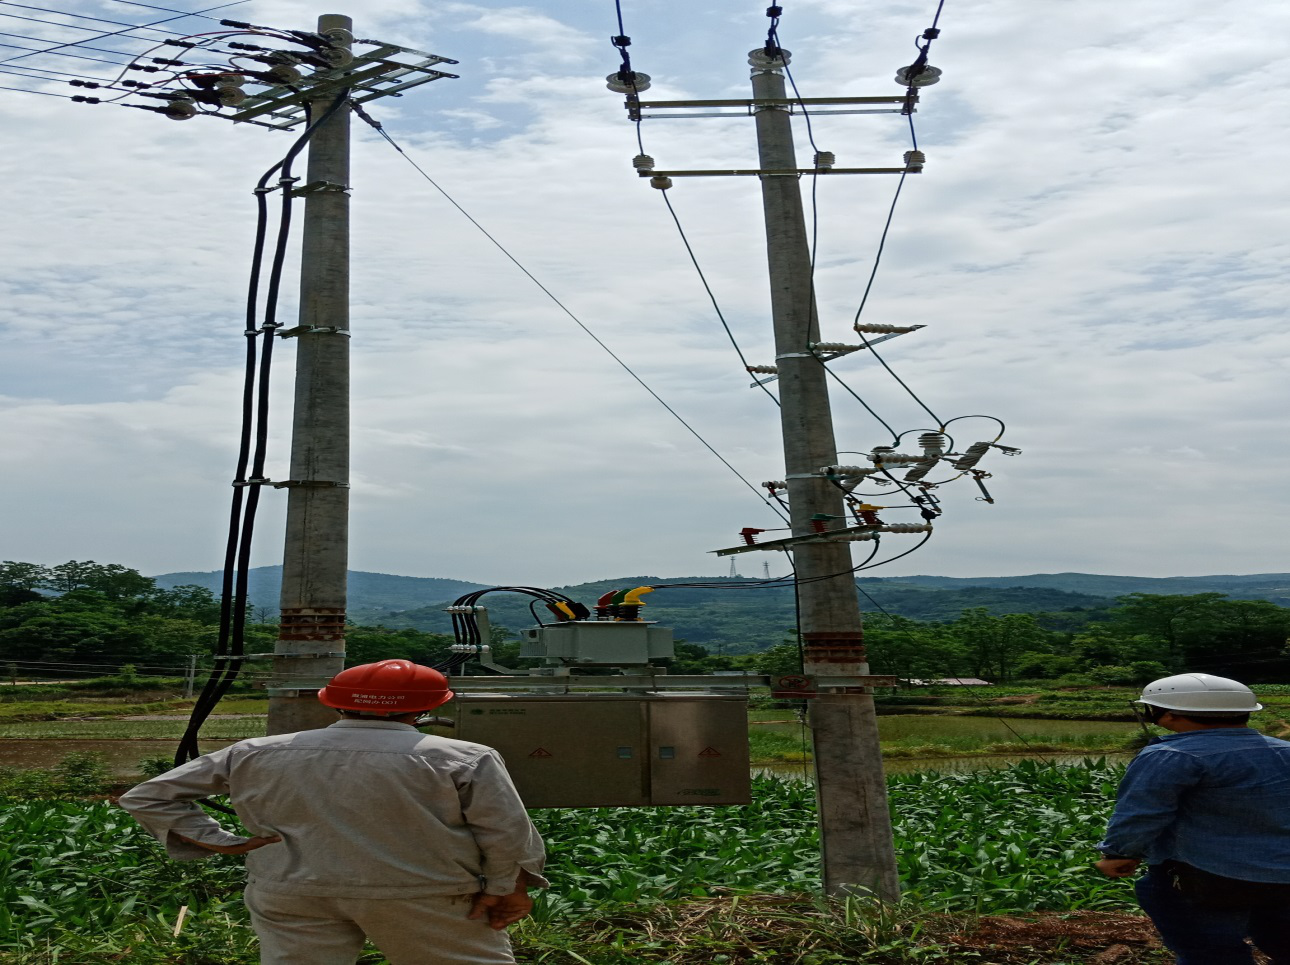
(79, 879)
(80, 774)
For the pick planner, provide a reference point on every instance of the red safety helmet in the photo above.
(387, 688)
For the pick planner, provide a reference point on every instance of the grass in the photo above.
(235, 729)
(28, 710)
(770, 747)
(81, 883)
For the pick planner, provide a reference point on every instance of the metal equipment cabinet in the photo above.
(615, 750)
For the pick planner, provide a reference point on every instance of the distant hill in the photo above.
(737, 614)
(370, 594)
(1256, 586)
(725, 614)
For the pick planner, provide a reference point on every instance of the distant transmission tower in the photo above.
(765, 568)
(733, 572)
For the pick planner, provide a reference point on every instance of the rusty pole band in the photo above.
(834, 646)
(313, 623)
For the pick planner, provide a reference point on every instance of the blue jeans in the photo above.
(1206, 936)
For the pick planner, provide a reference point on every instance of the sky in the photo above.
(1096, 248)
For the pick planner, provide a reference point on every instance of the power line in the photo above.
(882, 243)
(114, 33)
(628, 76)
(42, 70)
(32, 51)
(713, 298)
(194, 13)
(80, 16)
(28, 90)
(73, 26)
(96, 60)
(564, 308)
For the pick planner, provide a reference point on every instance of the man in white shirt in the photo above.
(366, 828)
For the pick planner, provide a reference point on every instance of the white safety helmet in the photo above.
(1200, 693)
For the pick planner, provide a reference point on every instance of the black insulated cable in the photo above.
(230, 644)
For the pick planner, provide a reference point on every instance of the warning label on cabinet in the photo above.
(709, 752)
(541, 752)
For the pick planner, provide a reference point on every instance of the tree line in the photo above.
(80, 617)
(88, 618)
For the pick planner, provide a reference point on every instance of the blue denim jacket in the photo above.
(1217, 799)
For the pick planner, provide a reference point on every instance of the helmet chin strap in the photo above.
(1146, 714)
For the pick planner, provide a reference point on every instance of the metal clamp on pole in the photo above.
(313, 330)
(317, 655)
(314, 187)
(309, 484)
(307, 690)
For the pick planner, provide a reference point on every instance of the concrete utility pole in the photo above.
(851, 788)
(311, 642)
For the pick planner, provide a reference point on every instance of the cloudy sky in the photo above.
(1097, 249)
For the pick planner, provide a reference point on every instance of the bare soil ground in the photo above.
(775, 929)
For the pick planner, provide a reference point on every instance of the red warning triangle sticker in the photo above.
(541, 752)
(709, 752)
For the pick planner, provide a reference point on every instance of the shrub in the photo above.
(1075, 680)
(155, 766)
(82, 774)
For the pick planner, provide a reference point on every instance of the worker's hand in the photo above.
(1117, 867)
(243, 848)
(502, 910)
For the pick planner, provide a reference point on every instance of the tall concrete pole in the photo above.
(311, 643)
(851, 790)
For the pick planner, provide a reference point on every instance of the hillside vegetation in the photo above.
(91, 619)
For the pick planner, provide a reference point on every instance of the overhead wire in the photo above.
(694, 260)
(30, 90)
(115, 33)
(773, 42)
(79, 16)
(380, 129)
(194, 13)
(35, 50)
(43, 70)
(57, 52)
(628, 76)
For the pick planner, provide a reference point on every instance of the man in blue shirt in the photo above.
(1207, 807)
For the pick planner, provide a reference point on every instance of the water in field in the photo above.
(950, 744)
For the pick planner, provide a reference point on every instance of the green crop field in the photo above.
(80, 883)
(115, 729)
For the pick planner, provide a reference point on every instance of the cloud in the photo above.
(1095, 249)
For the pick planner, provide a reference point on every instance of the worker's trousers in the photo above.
(296, 930)
(1206, 936)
